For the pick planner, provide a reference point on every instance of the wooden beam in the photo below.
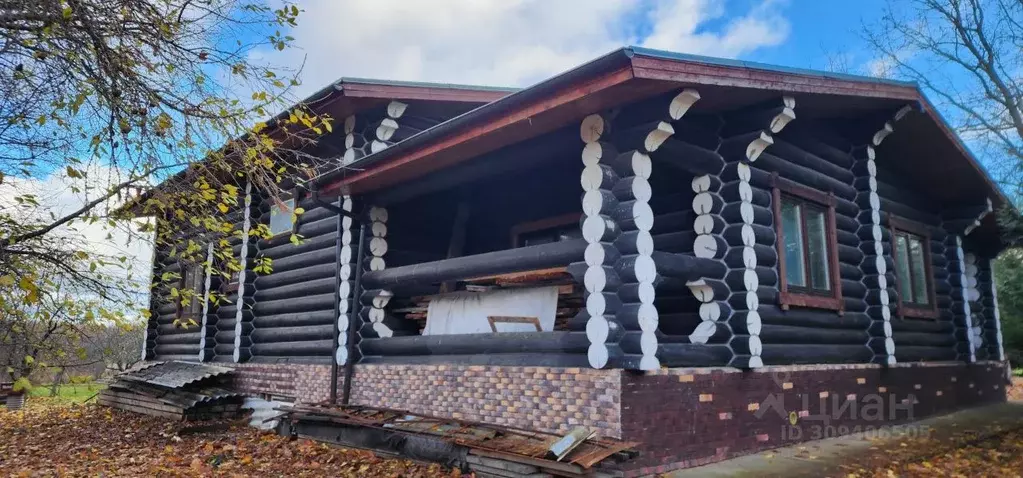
(537, 116)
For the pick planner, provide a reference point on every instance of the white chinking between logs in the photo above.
(967, 318)
(345, 292)
(208, 270)
(599, 230)
(364, 137)
(996, 316)
(243, 267)
(972, 294)
(376, 250)
(751, 280)
(615, 200)
(880, 267)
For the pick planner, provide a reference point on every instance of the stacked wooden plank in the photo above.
(174, 390)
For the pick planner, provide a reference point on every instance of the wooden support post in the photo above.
(457, 244)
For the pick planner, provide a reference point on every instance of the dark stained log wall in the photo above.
(924, 338)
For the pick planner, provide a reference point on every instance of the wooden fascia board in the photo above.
(382, 175)
(731, 76)
(395, 92)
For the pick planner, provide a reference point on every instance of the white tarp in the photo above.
(467, 312)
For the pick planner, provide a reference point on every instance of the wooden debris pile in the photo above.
(9, 398)
(176, 390)
(487, 450)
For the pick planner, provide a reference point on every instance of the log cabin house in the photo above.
(698, 254)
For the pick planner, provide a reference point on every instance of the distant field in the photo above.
(76, 393)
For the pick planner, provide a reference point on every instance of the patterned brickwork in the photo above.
(304, 383)
(535, 398)
(544, 398)
(683, 417)
(692, 417)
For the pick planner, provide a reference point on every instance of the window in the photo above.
(807, 249)
(194, 281)
(544, 231)
(282, 218)
(911, 252)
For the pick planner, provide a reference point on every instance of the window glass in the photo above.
(902, 268)
(817, 244)
(916, 259)
(194, 282)
(281, 218)
(792, 233)
(549, 235)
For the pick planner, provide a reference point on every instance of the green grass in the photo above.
(75, 393)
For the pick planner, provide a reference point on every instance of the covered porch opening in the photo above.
(477, 262)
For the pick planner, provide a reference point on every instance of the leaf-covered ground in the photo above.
(995, 451)
(47, 439)
(52, 438)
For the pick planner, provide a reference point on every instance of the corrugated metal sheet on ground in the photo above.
(173, 374)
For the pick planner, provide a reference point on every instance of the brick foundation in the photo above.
(692, 417)
(533, 398)
(683, 417)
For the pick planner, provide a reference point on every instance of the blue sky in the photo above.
(519, 42)
(823, 32)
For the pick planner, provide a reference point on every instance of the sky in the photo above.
(521, 42)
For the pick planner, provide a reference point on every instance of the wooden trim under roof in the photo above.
(416, 92)
(642, 70)
(443, 154)
(724, 75)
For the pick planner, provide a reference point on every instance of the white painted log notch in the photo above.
(345, 291)
(377, 146)
(876, 236)
(758, 145)
(994, 313)
(656, 137)
(681, 103)
(967, 316)
(644, 267)
(348, 157)
(386, 129)
(750, 279)
(592, 128)
(598, 229)
(208, 269)
(976, 223)
(395, 109)
(782, 119)
(972, 294)
(377, 248)
(243, 266)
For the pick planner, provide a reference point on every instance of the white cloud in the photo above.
(507, 42)
(56, 196)
(510, 42)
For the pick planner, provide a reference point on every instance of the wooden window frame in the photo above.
(546, 223)
(197, 293)
(783, 187)
(909, 310)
